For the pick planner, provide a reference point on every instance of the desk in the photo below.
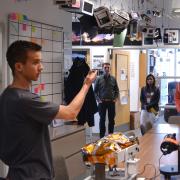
(165, 129)
(150, 150)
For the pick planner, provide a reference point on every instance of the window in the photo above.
(165, 65)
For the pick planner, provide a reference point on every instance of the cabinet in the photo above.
(67, 141)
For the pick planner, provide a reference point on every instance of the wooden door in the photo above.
(142, 69)
(120, 69)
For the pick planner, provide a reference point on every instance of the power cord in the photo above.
(155, 171)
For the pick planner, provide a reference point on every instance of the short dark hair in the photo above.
(106, 63)
(17, 52)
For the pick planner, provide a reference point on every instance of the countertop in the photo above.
(66, 129)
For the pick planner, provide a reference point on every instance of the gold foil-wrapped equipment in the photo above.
(104, 150)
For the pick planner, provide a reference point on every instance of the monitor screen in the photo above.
(103, 18)
(87, 7)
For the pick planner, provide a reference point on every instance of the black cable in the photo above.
(145, 169)
(155, 173)
(158, 167)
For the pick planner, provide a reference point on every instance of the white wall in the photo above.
(134, 79)
(39, 10)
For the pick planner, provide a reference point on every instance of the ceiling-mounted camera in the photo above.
(156, 13)
(103, 17)
(134, 16)
(146, 18)
(120, 19)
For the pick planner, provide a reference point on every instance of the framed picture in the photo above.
(171, 36)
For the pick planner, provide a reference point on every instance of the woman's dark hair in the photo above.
(154, 80)
(17, 52)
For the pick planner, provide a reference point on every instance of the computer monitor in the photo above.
(87, 7)
(80, 7)
(103, 17)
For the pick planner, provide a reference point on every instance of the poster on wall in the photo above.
(91, 36)
(171, 36)
(97, 61)
(123, 75)
(123, 97)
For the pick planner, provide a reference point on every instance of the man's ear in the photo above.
(19, 67)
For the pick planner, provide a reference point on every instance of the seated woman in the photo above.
(149, 98)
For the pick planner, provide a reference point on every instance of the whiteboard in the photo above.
(51, 39)
(47, 67)
(24, 30)
(47, 45)
(47, 57)
(57, 67)
(56, 87)
(47, 34)
(57, 77)
(46, 78)
(36, 32)
(58, 57)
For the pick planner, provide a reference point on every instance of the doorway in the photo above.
(120, 69)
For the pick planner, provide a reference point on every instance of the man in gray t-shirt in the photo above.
(24, 118)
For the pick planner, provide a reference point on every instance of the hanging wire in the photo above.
(110, 7)
(122, 6)
(138, 2)
(128, 7)
(132, 5)
(142, 4)
(100, 3)
(117, 2)
(163, 16)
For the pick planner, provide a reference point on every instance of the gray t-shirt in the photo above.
(24, 136)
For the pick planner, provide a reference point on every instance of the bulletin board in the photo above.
(50, 83)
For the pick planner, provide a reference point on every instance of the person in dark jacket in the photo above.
(106, 92)
(149, 98)
(73, 84)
